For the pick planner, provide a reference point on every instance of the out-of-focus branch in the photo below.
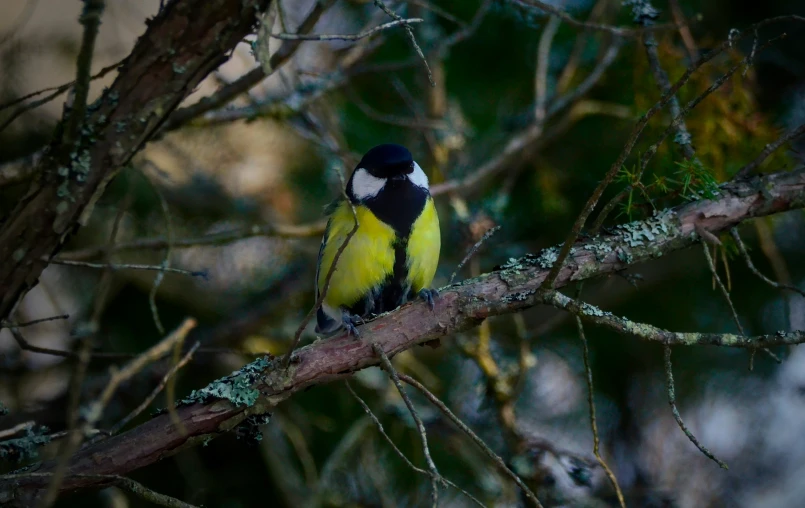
(769, 149)
(346, 37)
(570, 20)
(249, 80)
(513, 287)
(182, 45)
(635, 135)
(314, 229)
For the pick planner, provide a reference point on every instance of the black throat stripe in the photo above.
(399, 205)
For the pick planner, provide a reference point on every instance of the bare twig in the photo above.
(470, 253)
(6, 324)
(165, 265)
(135, 488)
(249, 80)
(669, 378)
(4, 434)
(94, 411)
(399, 452)
(684, 30)
(346, 37)
(145, 403)
(661, 77)
(570, 20)
(742, 247)
(128, 266)
(74, 434)
(320, 300)
(222, 238)
(410, 32)
(519, 143)
(473, 436)
(769, 149)
(435, 477)
(543, 59)
(711, 265)
(91, 19)
(591, 404)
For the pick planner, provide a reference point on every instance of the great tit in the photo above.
(392, 256)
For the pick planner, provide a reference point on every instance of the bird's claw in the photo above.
(350, 321)
(430, 296)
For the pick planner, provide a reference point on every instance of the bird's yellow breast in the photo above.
(424, 245)
(368, 258)
(366, 261)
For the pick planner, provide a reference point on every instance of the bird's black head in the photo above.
(391, 184)
(388, 161)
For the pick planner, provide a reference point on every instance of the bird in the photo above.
(392, 257)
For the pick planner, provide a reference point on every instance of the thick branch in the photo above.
(184, 42)
(511, 288)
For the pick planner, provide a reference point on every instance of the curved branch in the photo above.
(511, 288)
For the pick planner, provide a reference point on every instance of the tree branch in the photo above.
(513, 287)
(183, 43)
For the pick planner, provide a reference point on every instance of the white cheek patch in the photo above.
(364, 185)
(418, 177)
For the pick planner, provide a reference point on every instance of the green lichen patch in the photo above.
(27, 446)
(238, 387)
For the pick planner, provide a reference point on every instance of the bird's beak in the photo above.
(398, 178)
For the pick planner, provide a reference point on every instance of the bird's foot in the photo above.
(430, 296)
(350, 323)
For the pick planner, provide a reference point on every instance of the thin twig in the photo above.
(91, 19)
(7, 324)
(224, 95)
(473, 179)
(435, 477)
(711, 265)
(661, 77)
(94, 411)
(222, 238)
(769, 149)
(669, 378)
(399, 452)
(128, 266)
(346, 37)
(491, 231)
(543, 59)
(591, 403)
(165, 265)
(74, 433)
(570, 20)
(4, 434)
(135, 488)
(57, 91)
(410, 32)
(742, 247)
(145, 403)
(477, 440)
(320, 300)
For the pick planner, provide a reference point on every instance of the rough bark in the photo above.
(181, 45)
(508, 289)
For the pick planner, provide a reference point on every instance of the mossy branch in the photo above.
(513, 287)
